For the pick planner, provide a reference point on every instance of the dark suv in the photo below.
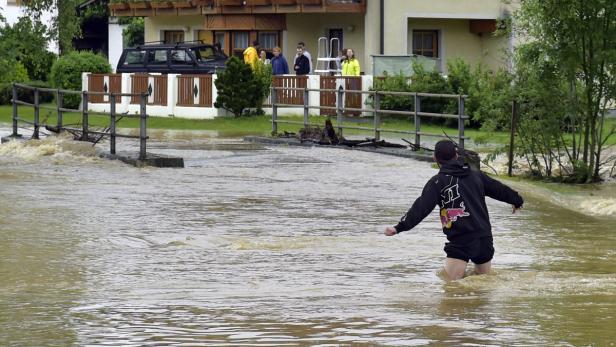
(185, 57)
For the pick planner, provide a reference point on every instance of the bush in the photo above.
(27, 95)
(66, 73)
(12, 71)
(394, 83)
(263, 77)
(238, 89)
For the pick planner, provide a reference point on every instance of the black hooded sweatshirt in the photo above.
(460, 193)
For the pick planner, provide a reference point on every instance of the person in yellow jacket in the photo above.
(250, 54)
(350, 66)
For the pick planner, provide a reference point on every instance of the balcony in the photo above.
(185, 7)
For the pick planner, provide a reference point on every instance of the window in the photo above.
(180, 57)
(240, 42)
(425, 42)
(173, 36)
(134, 57)
(157, 57)
(268, 40)
(219, 38)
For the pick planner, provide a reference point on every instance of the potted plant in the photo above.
(161, 4)
(118, 5)
(183, 4)
(138, 4)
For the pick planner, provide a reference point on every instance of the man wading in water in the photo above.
(460, 194)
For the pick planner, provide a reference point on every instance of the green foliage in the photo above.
(27, 95)
(238, 89)
(394, 83)
(263, 77)
(578, 38)
(12, 71)
(134, 32)
(66, 72)
(424, 81)
(26, 42)
(64, 26)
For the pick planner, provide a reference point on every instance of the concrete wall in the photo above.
(309, 27)
(155, 25)
(196, 112)
(12, 13)
(116, 42)
(456, 41)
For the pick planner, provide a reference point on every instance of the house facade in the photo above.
(437, 29)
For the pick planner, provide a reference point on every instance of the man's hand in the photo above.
(390, 231)
(515, 208)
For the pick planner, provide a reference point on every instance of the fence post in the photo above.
(84, 116)
(377, 116)
(274, 111)
(15, 133)
(306, 119)
(417, 121)
(112, 128)
(339, 110)
(142, 129)
(59, 106)
(461, 121)
(36, 114)
(514, 111)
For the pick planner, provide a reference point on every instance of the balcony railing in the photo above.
(153, 8)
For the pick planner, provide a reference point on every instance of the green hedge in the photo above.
(27, 95)
(66, 73)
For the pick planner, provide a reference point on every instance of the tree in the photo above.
(64, 26)
(237, 87)
(26, 42)
(134, 32)
(580, 38)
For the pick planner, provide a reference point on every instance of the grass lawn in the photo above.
(259, 125)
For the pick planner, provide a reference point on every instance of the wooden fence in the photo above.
(153, 85)
(329, 98)
(195, 90)
(104, 83)
(287, 92)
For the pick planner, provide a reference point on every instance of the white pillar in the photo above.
(314, 98)
(172, 93)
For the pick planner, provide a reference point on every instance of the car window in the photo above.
(180, 57)
(134, 57)
(157, 57)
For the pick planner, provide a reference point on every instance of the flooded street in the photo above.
(281, 246)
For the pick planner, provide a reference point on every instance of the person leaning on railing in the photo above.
(350, 67)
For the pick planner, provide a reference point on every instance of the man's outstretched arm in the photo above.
(501, 192)
(421, 209)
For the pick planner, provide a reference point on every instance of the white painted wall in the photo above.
(172, 110)
(12, 13)
(115, 42)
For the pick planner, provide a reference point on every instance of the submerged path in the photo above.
(277, 246)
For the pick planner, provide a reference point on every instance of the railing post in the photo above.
(112, 122)
(84, 116)
(36, 114)
(142, 127)
(417, 121)
(59, 106)
(339, 108)
(461, 121)
(377, 116)
(274, 111)
(514, 111)
(15, 133)
(306, 119)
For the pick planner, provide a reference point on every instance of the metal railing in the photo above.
(85, 128)
(376, 112)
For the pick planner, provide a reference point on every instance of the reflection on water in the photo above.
(278, 246)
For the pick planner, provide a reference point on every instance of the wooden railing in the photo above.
(195, 90)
